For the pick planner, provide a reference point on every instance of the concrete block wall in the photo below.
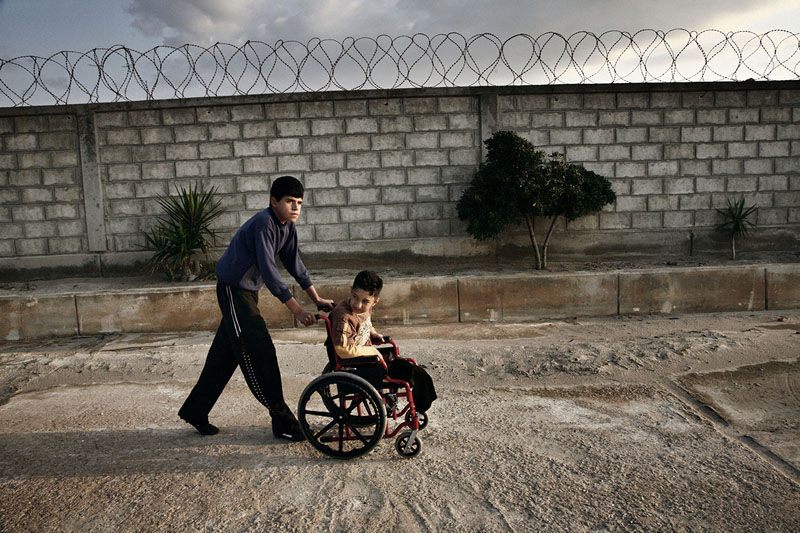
(374, 168)
(41, 211)
(673, 156)
(384, 169)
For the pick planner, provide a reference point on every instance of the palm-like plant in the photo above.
(735, 221)
(180, 237)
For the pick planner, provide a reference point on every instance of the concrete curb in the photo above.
(445, 299)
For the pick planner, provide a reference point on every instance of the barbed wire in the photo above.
(120, 73)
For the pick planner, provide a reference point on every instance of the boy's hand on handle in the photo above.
(304, 317)
(325, 305)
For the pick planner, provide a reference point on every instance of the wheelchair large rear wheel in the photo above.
(341, 415)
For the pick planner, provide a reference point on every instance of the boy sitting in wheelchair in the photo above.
(353, 336)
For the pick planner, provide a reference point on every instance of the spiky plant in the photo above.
(184, 235)
(736, 221)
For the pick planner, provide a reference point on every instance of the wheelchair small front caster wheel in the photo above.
(422, 418)
(404, 449)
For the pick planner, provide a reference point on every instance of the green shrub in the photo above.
(181, 240)
(736, 221)
(518, 183)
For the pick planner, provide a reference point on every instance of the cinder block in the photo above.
(710, 151)
(369, 196)
(574, 119)
(730, 98)
(399, 229)
(712, 116)
(282, 110)
(629, 170)
(21, 142)
(662, 168)
(293, 128)
(696, 134)
(614, 118)
(679, 151)
(316, 109)
(598, 101)
(332, 232)
(314, 145)
(644, 152)
(598, 136)
(178, 116)
(581, 153)
(327, 127)
(350, 108)
(743, 149)
(191, 133)
(683, 219)
(695, 290)
(386, 106)
(365, 231)
(566, 101)
(726, 166)
(391, 212)
(758, 166)
(258, 130)
(33, 160)
(327, 161)
(397, 158)
(764, 132)
(39, 317)
(430, 122)
(464, 121)
(615, 220)
(728, 133)
(31, 124)
(526, 298)
(645, 118)
(631, 135)
(457, 104)
(665, 99)
(363, 160)
(247, 112)
(740, 116)
(678, 116)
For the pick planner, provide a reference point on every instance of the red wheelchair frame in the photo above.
(347, 403)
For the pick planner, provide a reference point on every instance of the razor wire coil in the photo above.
(123, 74)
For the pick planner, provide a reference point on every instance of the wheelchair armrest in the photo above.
(368, 359)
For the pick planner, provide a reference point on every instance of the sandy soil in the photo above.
(629, 423)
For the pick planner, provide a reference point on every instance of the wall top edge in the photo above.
(400, 93)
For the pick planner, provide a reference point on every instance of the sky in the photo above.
(44, 27)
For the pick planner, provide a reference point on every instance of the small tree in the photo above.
(178, 239)
(736, 221)
(519, 183)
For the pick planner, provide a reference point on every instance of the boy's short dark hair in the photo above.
(286, 186)
(369, 281)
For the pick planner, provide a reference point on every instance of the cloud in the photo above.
(235, 21)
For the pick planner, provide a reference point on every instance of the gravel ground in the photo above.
(630, 423)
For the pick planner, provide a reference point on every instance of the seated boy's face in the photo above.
(287, 209)
(361, 301)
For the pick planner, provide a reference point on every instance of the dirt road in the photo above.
(631, 423)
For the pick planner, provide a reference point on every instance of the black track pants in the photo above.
(242, 340)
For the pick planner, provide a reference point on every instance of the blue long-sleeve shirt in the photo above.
(249, 261)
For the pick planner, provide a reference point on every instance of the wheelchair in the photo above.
(354, 404)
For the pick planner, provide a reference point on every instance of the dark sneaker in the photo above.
(204, 428)
(287, 428)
